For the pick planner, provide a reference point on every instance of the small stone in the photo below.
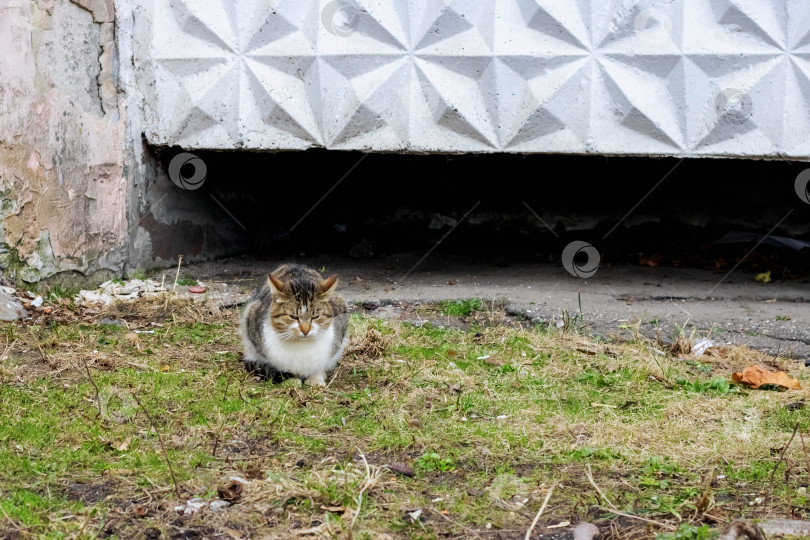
(197, 289)
(585, 531)
(111, 322)
(124, 291)
(785, 527)
(514, 310)
(218, 505)
(742, 529)
(402, 468)
(10, 308)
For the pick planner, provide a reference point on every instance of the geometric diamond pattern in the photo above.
(651, 77)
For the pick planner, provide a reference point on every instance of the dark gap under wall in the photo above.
(279, 205)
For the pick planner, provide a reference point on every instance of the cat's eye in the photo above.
(293, 317)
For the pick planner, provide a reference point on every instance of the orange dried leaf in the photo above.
(755, 376)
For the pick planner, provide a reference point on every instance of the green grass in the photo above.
(689, 532)
(59, 293)
(432, 461)
(139, 274)
(187, 281)
(460, 308)
(488, 419)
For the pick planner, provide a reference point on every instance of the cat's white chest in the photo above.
(303, 358)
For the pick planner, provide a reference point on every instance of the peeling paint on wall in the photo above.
(61, 138)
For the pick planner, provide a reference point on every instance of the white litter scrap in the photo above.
(119, 290)
(701, 346)
(239, 479)
(192, 506)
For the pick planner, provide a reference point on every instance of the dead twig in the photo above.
(614, 510)
(369, 481)
(539, 513)
(804, 449)
(14, 523)
(216, 439)
(98, 394)
(239, 391)
(177, 275)
(631, 516)
(589, 474)
(782, 455)
(457, 524)
(160, 441)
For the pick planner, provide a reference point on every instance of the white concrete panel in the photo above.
(634, 77)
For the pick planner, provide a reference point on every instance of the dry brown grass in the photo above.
(165, 309)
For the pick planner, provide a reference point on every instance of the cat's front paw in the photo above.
(317, 380)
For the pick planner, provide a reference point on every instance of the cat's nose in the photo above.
(304, 328)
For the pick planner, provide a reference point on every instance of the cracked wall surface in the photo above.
(62, 139)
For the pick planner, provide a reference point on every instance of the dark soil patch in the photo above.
(90, 493)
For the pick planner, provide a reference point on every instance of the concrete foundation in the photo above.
(98, 97)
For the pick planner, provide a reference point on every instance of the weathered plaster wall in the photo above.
(62, 139)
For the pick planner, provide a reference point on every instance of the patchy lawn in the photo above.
(423, 432)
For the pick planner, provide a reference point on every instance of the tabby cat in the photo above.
(295, 326)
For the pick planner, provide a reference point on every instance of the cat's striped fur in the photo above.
(295, 326)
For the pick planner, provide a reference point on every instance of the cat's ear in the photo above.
(276, 285)
(328, 285)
